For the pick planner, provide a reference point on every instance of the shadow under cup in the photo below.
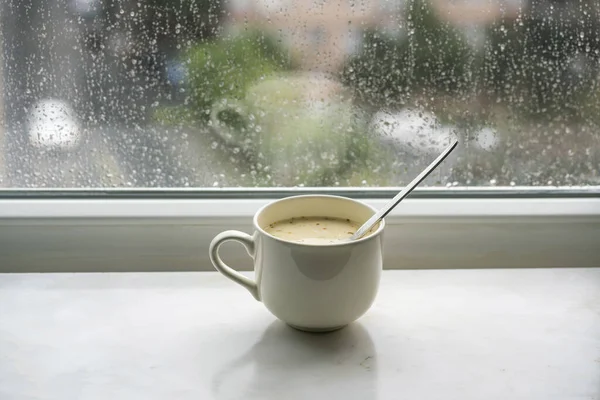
(317, 287)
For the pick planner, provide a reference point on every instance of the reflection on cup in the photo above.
(302, 127)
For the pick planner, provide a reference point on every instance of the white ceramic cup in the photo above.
(310, 287)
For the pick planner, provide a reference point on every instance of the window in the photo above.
(118, 100)
(289, 93)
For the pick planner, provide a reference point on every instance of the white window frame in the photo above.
(168, 230)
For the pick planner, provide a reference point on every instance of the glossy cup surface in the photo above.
(315, 287)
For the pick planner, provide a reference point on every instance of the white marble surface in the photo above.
(453, 334)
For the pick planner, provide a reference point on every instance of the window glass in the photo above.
(281, 93)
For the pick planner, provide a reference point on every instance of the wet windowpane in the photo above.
(280, 93)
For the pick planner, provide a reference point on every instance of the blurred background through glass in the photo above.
(279, 93)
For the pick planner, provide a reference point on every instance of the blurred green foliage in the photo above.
(432, 58)
(225, 68)
(536, 66)
(541, 68)
(167, 20)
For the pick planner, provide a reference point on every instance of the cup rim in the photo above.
(341, 244)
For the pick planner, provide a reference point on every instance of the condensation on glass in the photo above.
(281, 93)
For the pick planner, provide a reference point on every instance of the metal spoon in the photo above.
(378, 216)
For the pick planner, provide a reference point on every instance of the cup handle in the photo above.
(227, 133)
(248, 242)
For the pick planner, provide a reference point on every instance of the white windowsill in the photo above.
(157, 209)
(486, 334)
(173, 234)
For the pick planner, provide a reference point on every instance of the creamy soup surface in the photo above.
(313, 230)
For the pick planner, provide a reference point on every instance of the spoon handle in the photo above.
(378, 216)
